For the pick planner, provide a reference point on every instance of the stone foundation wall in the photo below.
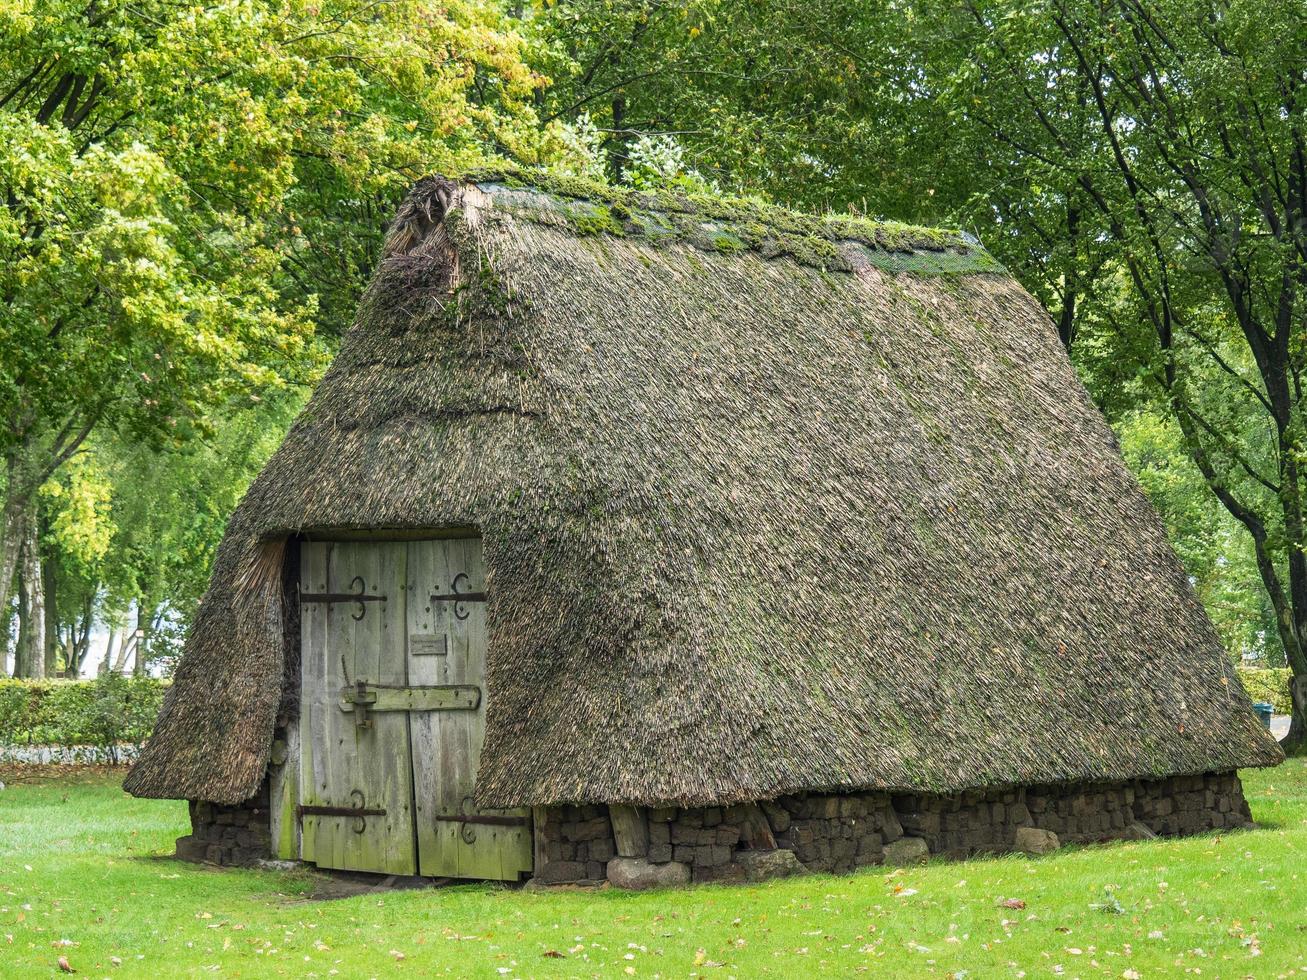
(837, 833)
(814, 832)
(237, 835)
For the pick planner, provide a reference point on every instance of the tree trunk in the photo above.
(49, 585)
(81, 637)
(125, 643)
(12, 524)
(110, 645)
(30, 661)
(1296, 739)
(144, 620)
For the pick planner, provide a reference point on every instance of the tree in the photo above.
(182, 184)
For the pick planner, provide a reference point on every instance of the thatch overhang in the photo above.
(770, 503)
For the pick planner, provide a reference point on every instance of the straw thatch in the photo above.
(769, 503)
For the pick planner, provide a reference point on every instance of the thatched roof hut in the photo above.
(769, 503)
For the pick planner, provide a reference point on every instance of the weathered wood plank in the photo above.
(283, 793)
(755, 831)
(447, 745)
(353, 765)
(443, 697)
(313, 653)
(630, 829)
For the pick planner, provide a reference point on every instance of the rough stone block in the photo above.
(660, 853)
(719, 873)
(824, 807)
(559, 871)
(662, 814)
(1034, 840)
(191, 848)
(843, 850)
(638, 874)
(593, 829)
(761, 865)
(905, 851)
(684, 833)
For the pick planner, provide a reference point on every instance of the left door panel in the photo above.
(352, 759)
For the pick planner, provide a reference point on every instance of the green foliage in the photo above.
(195, 198)
(1270, 685)
(104, 712)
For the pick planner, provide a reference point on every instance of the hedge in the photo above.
(1268, 684)
(103, 712)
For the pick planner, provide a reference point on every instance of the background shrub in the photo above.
(103, 712)
(1269, 684)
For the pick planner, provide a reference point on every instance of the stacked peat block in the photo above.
(973, 822)
(1178, 805)
(1192, 804)
(840, 832)
(237, 835)
(704, 840)
(836, 832)
(576, 843)
(1079, 814)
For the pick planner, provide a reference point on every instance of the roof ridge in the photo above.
(726, 224)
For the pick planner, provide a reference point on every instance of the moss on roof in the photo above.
(837, 242)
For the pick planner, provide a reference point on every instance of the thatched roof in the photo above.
(769, 503)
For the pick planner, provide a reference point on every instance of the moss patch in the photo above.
(726, 225)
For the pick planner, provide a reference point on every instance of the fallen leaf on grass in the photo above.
(1012, 903)
(553, 954)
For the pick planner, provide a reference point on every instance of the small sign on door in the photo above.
(421, 645)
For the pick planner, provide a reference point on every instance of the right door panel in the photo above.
(447, 645)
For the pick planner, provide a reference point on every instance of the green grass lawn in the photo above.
(83, 876)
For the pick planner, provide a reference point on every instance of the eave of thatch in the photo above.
(797, 514)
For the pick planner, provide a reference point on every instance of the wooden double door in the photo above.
(392, 712)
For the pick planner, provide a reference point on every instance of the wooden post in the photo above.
(755, 831)
(540, 855)
(630, 829)
(283, 794)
